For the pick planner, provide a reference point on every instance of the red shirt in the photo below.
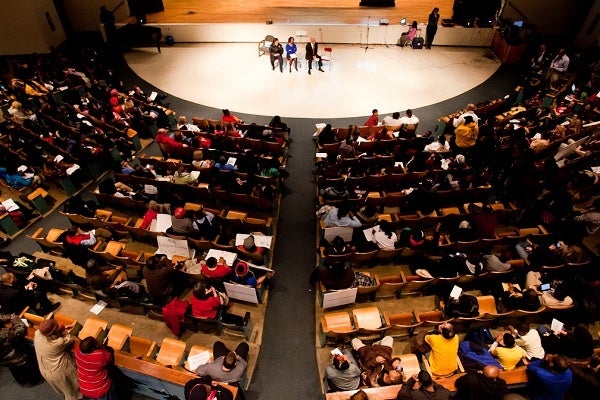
(372, 121)
(219, 272)
(229, 119)
(92, 372)
(206, 308)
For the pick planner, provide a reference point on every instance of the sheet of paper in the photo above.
(152, 96)
(293, 55)
(195, 173)
(72, 169)
(369, 232)
(455, 292)
(321, 155)
(172, 247)
(227, 255)
(259, 240)
(58, 158)
(336, 352)
(163, 222)
(321, 125)
(98, 307)
(231, 160)
(10, 205)
(556, 325)
(198, 359)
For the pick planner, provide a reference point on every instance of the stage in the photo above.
(389, 78)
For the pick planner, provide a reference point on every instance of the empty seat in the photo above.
(336, 325)
(401, 324)
(94, 327)
(171, 352)
(118, 335)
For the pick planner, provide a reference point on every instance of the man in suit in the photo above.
(15, 296)
(312, 53)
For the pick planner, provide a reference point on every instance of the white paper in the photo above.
(369, 232)
(198, 359)
(152, 96)
(25, 322)
(227, 255)
(361, 139)
(596, 170)
(293, 55)
(150, 189)
(28, 175)
(10, 205)
(321, 125)
(163, 222)
(72, 169)
(259, 240)
(195, 173)
(98, 307)
(455, 292)
(336, 352)
(321, 155)
(556, 325)
(58, 158)
(231, 160)
(172, 247)
(22, 168)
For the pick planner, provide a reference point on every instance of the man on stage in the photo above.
(312, 53)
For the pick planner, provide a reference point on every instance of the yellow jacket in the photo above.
(466, 135)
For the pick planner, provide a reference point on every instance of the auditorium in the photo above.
(313, 200)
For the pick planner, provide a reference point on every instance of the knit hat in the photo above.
(241, 268)
(49, 327)
(179, 212)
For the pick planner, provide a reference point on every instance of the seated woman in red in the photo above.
(206, 301)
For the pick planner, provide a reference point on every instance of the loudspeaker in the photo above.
(139, 7)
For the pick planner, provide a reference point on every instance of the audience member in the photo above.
(586, 378)
(52, 343)
(227, 366)
(529, 340)
(373, 120)
(343, 373)
(93, 361)
(508, 353)
(550, 378)
(408, 125)
(484, 384)
(16, 295)
(158, 274)
(421, 387)
(206, 301)
(341, 216)
(443, 352)
(376, 362)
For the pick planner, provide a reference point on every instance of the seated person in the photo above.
(19, 177)
(367, 215)
(341, 216)
(427, 388)
(586, 377)
(216, 269)
(182, 176)
(337, 247)
(180, 223)
(443, 348)
(158, 274)
(243, 275)
(343, 373)
(338, 275)
(204, 225)
(16, 295)
(509, 354)
(385, 238)
(99, 279)
(376, 362)
(249, 246)
(206, 301)
(553, 254)
(227, 366)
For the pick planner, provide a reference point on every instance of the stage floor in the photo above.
(389, 78)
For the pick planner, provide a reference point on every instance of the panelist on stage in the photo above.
(312, 54)
(290, 51)
(276, 51)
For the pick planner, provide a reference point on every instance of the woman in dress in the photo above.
(290, 51)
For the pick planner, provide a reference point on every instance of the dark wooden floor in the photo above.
(295, 12)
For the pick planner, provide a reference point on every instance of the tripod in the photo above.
(368, 28)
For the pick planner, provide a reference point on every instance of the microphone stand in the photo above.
(368, 28)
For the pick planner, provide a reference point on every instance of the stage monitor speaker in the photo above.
(140, 7)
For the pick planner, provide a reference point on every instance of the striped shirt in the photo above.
(92, 372)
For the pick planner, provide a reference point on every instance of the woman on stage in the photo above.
(290, 50)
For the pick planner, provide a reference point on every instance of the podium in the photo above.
(507, 53)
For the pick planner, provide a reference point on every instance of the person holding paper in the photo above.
(343, 373)
(228, 366)
(206, 301)
(290, 51)
(528, 339)
(376, 362)
(158, 274)
(385, 237)
(93, 361)
(341, 216)
(215, 269)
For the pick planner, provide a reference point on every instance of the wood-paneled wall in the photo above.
(295, 12)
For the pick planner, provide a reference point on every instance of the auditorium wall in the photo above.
(29, 26)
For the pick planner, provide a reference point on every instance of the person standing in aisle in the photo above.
(432, 26)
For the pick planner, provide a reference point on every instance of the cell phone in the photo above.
(544, 287)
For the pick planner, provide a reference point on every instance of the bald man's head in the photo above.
(491, 371)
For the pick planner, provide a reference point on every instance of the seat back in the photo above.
(171, 352)
(141, 347)
(92, 327)
(118, 336)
